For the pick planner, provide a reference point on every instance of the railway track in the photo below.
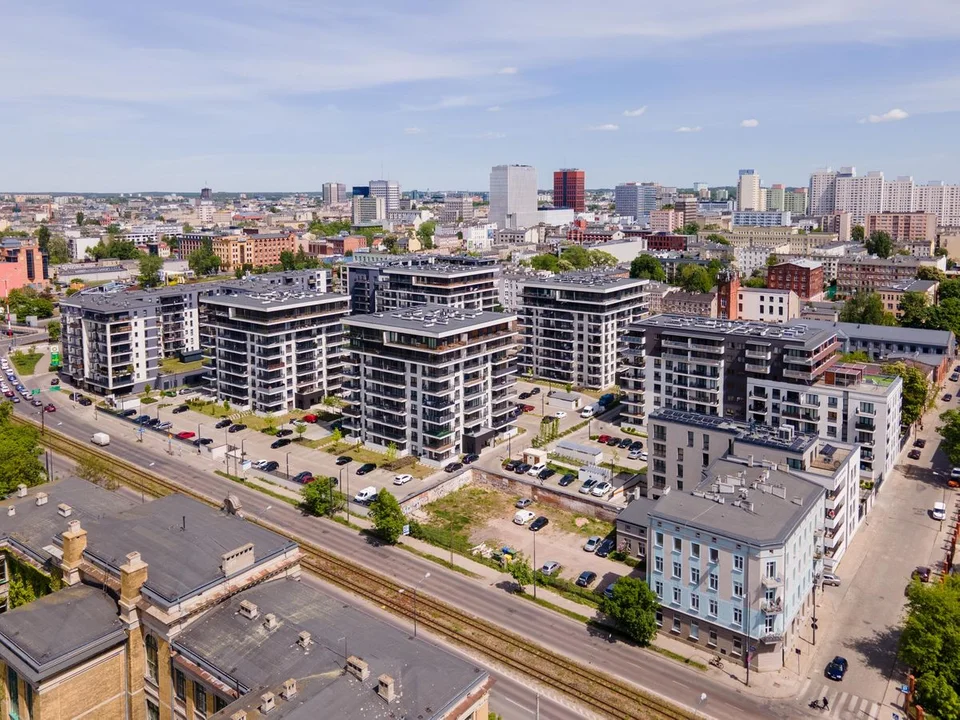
(602, 693)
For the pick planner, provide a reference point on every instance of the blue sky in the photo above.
(287, 94)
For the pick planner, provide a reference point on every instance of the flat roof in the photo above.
(885, 333)
(182, 540)
(441, 269)
(268, 300)
(598, 282)
(746, 432)
(430, 320)
(802, 262)
(765, 514)
(429, 680)
(808, 332)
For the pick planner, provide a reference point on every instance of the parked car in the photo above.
(588, 485)
(613, 442)
(939, 511)
(636, 445)
(540, 523)
(164, 425)
(310, 418)
(608, 590)
(586, 578)
(551, 567)
(141, 419)
(606, 399)
(85, 401)
(528, 408)
(237, 428)
(50, 407)
(637, 455)
(282, 442)
(74, 396)
(603, 439)
(258, 465)
(560, 415)
(830, 579)
(303, 477)
(36, 403)
(948, 397)
(152, 422)
(914, 454)
(922, 574)
(185, 435)
(601, 488)
(535, 391)
(567, 480)
(511, 465)
(402, 479)
(366, 468)
(592, 543)
(366, 496)
(180, 409)
(470, 457)
(344, 460)
(270, 466)
(523, 502)
(955, 473)
(606, 547)
(453, 467)
(522, 517)
(837, 668)
(523, 395)
(546, 474)
(920, 443)
(203, 441)
(286, 432)
(226, 422)
(625, 442)
(522, 468)
(128, 413)
(535, 469)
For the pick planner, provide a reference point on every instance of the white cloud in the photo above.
(889, 116)
(412, 131)
(749, 123)
(686, 129)
(608, 127)
(507, 71)
(493, 108)
(635, 113)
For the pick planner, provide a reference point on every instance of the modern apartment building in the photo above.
(838, 222)
(804, 277)
(941, 199)
(368, 210)
(867, 273)
(860, 195)
(748, 191)
(568, 189)
(572, 324)
(173, 609)
(274, 351)
(775, 198)
(850, 403)
(903, 226)
(388, 191)
(513, 196)
(430, 381)
(457, 209)
(704, 366)
(334, 193)
(665, 221)
(636, 200)
(761, 218)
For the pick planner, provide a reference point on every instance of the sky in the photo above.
(246, 95)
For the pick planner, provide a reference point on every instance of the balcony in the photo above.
(750, 367)
(771, 638)
(771, 607)
(806, 376)
(866, 413)
(865, 425)
(769, 581)
(759, 354)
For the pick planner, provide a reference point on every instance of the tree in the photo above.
(391, 452)
(917, 393)
(866, 308)
(53, 330)
(602, 259)
(772, 260)
(203, 261)
(578, 256)
(693, 278)
(718, 238)
(287, 260)
(647, 266)
(29, 301)
(754, 282)
(880, 244)
(150, 267)
(945, 315)
(337, 435)
(949, 289)
(113, 230)
(19, 453)
(857, 234)
(388, 517)
(58, 250)
(299, 428)
(521, 572)
(187, 228)
(949, 430)
(546, 262)
(857, 356)
(80, 219)
(320, 497)
(914, 310)
(147, 389)
(632, 606)
(426, 232)
(114, 247)
(43, 238)
(95, 469)
(691, 228)
(941, 252)
(929, 272)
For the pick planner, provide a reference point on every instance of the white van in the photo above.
(589, 411)
(522, 517)
(100, 438)
(367, 495)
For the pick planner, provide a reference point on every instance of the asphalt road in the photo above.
(669, 679)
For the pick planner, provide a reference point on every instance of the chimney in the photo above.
(289, 689)
(358, 668)
(74, 543)
(133, 574)
(270, 621)
(249, 610)
(64, 510)
(385, 688)
(239, 715)
(267, 702)
(21, 490)
(41, 498)
(304, 639)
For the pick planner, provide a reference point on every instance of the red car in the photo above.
(185, 435)
(50, 408)
(527, 408)
(310, 418)
(603, 438)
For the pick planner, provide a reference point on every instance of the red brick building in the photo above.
(804, 277)
(21, 264)
(568, 189)
(728, 289)
(666, 241)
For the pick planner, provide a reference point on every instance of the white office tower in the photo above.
(748, 191)
(389, 191)
(513, 196)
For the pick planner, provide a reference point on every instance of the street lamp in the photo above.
(415, 589)
(347, 503)
(288, 465)
(943, 475)
(534, 566)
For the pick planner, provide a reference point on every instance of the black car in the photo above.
(920, 443)
(153, 422)
(55, 381)
(284, 433)
(511, 465)
(128, 413)
(567, 479)
(522, 468)
(626, 442)
(538, 524)
(344, 460)
(75, 396)
(180, 408)
(365, 468)
(914, 454)
(270, 466)
(282, 442)
(606, 547)
(143, 419)
(837, 668)
(523, 396)
(636, 445)
(453, 467)
(546, 473)
(472, 457)
(85, 401)
(948, 397)
(613, 442)
(303, 478)
(202, 441)
(535, 391)
(237, 428)
(226, 422)
(586, 578)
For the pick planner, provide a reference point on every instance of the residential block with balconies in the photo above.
(430, 381)
(573, 324)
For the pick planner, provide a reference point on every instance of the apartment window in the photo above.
(658, 564)
(713, 581)
(768, 624)
(713, 606)
(694, 631)
(179, 685)
(712, 638)
(658, 589)
(199, 699)
(689, 438)
(677, 596)
(695, 550)
(152, 666)
(738, 616)
(738, 562)
(679, 454)
(771, 569)
(737, 589)
(677, 569)
(677, 545)
(660, 433)
(658, 539)
(832, 402)
(714, 555)
(658, 618)
(695, 602)
(676, 625)
(737, 647)
(153, 710)
(13, 691)
(695, 575)
(679, 471)
(218, 703)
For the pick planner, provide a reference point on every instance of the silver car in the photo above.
(551, 567)
(830, 579)
(592, 543)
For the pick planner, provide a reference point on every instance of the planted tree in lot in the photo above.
(632, 606)
(521, 572)
(388, 517)
(321, 497)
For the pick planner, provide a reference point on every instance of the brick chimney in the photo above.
(74, 543)
(133, 574)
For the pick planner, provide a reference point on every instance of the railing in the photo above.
(771, 581)
(771, 607)
(750, 367)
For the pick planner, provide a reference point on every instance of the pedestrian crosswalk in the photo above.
(841, 705)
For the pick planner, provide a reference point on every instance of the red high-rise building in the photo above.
(568, 189)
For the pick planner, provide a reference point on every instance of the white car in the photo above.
(535, 470)
(402, 479)
(260, 463)
(939, 511)
(522, 517)
(560, 414)
(601, 488)
(955, 474)
(637, 455)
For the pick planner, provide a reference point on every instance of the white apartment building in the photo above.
(861, 195)
(761, 218)
(898, 194)
(368, 209)
(572, 325)
(755, 257)
(766, 305)
(748, 191)
(389, 191)
(939, 198)
(851, 403)
(433, 382)
(513, 196)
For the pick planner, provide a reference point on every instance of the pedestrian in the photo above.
(826, 705)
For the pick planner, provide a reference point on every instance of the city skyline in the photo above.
(287, 95)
